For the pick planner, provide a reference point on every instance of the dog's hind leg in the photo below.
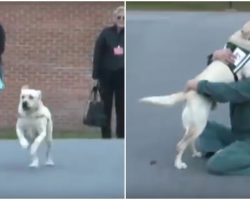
(189, 138)
(194, 150)
(49, 160)
(48, 140)
(181, 147)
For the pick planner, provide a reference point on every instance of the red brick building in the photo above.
(49, 46)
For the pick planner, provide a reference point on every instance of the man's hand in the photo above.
(225, 55)
(191, 85)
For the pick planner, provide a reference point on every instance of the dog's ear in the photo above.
(39, 94)
(25, 87)
(245, 30)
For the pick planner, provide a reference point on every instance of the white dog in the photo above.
(34, 124)
(196, 111)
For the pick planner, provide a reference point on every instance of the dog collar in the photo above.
(36, 116)
(242, 57)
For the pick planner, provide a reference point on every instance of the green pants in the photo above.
(232, 155)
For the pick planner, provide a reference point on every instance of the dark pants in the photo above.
(232, 151)
(113, 87)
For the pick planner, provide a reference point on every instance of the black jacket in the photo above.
(2, 47)
(2, 40)
(105, 60)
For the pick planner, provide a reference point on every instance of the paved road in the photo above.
(88, 168)
(164, 49)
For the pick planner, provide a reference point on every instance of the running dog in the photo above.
(34, 124)
(197, 108)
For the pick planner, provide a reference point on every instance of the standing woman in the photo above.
(2, 47)
(109, 71)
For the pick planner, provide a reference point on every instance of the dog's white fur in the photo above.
(34, 124)
(197, 108)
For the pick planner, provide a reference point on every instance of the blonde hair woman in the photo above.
(108, 70)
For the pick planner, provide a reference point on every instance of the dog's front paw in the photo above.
(24, 143)
(34, 163)
(197, 154)
(180, 165)
(49, 162)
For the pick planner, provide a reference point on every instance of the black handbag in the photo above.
(94, 110)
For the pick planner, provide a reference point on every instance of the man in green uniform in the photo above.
(229, 148)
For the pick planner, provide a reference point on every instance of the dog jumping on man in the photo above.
(197, 108)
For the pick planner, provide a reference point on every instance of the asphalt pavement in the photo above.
(164, 50)
(84, 168)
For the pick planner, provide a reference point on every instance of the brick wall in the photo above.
(49, 47)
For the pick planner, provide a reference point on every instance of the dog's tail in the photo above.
(167, 100)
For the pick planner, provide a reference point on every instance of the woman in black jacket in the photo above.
(109, 71)
(2, 47)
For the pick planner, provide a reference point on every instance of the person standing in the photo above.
(2, 48)
(108, 71)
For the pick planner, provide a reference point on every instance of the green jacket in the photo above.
(238, 95)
